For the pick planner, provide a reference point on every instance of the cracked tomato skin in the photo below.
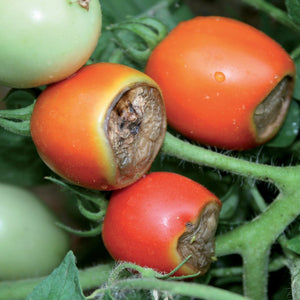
(214, 72)
(68, 124)
(145, 220)
(45, 41)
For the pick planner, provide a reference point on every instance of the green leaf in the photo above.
(294, 244)
(293, 8)
(289, 130)
(61, 284)
(19, 161)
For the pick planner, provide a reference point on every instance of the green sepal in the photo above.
(17, 127)
(149, 32)
(22, 114)
(82, 233)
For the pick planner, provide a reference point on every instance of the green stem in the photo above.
(295, 53)
(261, 232)
(293, 263)
(278, 14)
(176, 288)
(175, 147)
(274, 265)
(19, 289)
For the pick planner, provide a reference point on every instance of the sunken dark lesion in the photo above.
(270, 113)
(198, 240)
(136, 126)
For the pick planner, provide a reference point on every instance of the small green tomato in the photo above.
(31, 244)
(46, 41)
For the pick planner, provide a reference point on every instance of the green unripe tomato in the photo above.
(46, 41)
(31, 244)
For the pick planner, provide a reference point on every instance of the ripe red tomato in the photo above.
(225, 83)
(161, 219)
(102, 127)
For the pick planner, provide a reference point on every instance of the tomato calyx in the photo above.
(270, 113)
(149, 32)
(198, 241)
(83, 3)
(17, 120)
(136, 126)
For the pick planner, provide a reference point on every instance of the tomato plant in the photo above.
(160, 220)
(31, 243)
(46, 41)
(257, 244)
(225, 83)
(100, 128)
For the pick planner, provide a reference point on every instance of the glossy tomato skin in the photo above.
(214, 72)
(45, 41)
(145, 220)
(69, 124)
(31, 244)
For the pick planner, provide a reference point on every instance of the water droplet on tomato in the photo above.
(219, 76)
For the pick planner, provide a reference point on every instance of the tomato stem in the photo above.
(184, 150)
(276, 13)
(177, 288)
(262, 231)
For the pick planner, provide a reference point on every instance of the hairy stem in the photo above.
(177, 288)
(276, 13)
(175, 147)
(254, 239)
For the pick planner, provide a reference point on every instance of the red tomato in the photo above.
(102, 127)
(225, 83)
(161, 219)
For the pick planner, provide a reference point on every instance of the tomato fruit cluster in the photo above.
(46, 41)
(225, 83)
(31, 243)
(160, 220)
(100, 128)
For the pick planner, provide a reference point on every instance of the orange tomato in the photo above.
(225, 83)
(100, 128)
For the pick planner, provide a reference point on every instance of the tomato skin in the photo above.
(31, 244)
(69, 124)
(145, 220)
(49, 41)
(214, 72)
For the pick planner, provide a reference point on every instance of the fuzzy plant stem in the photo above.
(197, 291)
(276, 13)
(254, 239)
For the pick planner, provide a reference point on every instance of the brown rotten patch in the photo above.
(199, 239)
(136, 127)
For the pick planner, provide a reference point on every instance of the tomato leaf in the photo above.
(293, 8)
(294, 244)
(61, 284)
(19, 161)
(289, 130)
